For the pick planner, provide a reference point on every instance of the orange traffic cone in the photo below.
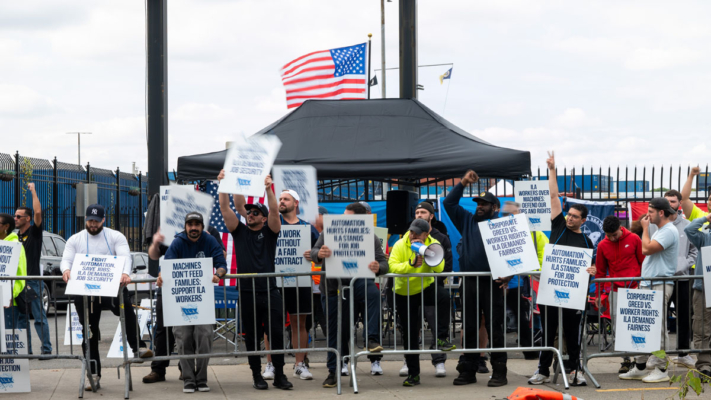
(526, 393)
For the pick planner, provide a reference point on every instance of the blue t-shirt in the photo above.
(664, 262)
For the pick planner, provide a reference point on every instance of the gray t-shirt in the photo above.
(664, 262)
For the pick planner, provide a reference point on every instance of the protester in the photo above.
(480, 294)
(681, 294)
(31, 237)
(296, 300)
(365, 293)
(619, 255)
(255, 248)
(516, 298)
(433, 315)
(7, 226)
(411, 293)
(662, 250)
(194, 242)
(565, 232)
(702, 314)
(318, 315)
(690, 209)
(97, 239)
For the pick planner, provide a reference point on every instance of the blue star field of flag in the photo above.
(349, 60)
(216, 219)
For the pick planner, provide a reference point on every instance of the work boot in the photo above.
(498, 377)
(281, 382)
(467, 374)
(258, 382)
(153, 377)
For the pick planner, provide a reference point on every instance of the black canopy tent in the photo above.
(383, 140)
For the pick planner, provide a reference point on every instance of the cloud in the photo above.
(18, 101)
(652, 59)
(573, 118)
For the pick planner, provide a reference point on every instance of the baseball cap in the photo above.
(661, 203)
(427, 206)
(292, 193)
(259, 206)
(367, 206)
(95, 212)
(322, 210)
(487, 197)
(194, 216)
(419, 225)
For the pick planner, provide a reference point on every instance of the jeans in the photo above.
(330, 305)
(162, 346)
(442, 317)
(41, 325)
(521, 309)
(12, 319)
(702, 329)
(194, 339)
(489, 297)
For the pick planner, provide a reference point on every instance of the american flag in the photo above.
(336, 74)
(218, 222)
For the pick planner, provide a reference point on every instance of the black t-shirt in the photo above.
(560, 234)
(31, 240)
(255, 252)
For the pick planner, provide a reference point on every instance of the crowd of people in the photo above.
(664, 243)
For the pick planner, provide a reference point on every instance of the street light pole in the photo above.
(79, 143)
(382, 44)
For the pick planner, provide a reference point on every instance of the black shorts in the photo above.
(304, 300)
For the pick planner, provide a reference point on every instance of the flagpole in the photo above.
(370, 35)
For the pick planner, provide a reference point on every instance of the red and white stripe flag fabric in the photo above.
(336, 74)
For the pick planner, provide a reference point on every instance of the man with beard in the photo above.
(481, 292)
(255, 248)
(97, 239)
(565, 232)
(682, 290)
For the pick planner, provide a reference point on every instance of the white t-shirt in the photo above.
(664, 262)
(107, 242)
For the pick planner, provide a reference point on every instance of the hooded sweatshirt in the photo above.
(19, 285)
(621, 259)
(205, 247)
(472, 258)
(699, 238)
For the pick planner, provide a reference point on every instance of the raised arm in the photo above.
(686, 204)
(231, 219)
(696, 237)
(36, 205)
(457, 214)
(556, 208)
(273, 219)
(154, 250)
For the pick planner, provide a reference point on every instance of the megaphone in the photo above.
(433, 254)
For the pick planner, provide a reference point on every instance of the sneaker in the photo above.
(280, 382)
(145, 353)
(657, 362)
(404, 371)
(375, 368)
(153, 377)
(634, 373)
(625, 366)
(445, 345)
(374, 346)
(268, 373)
(656, 376)
(97, 385)
(440, 371)
(482, 367)
(538, 379)
(202, 387)
(301, 371)
(411, 381)
(345, 371)
(577, 379)
(189, 388)
(465, 378)
(330, 381)
(684, 361)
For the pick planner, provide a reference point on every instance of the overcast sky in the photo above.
(607, 82)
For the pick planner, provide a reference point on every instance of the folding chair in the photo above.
(226, 326)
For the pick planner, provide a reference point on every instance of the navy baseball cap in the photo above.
(259, 206)
(419, 225)
(95, 212)
(194, 216)
(487, 197)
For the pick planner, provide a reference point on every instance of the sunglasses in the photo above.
(20, 216)
(255, 213)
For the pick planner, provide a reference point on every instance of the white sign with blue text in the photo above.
(302, 180)
(15, 372)
(188, 292)
(509, 246)
(182, 200)
(95, 275)
(164, 196)
(706, 258)
(564, 279)
(350, 239)
(73, 332)
(247, 163)
(143, 314)
(293, 242)
(638, 326)
(9, 260)
(535, 200)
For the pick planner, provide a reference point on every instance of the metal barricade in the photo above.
(234, 350)
(485, 278)
(53, 281)
(603, 332)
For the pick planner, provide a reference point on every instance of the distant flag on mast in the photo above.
(446, 75)
(335, 74)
